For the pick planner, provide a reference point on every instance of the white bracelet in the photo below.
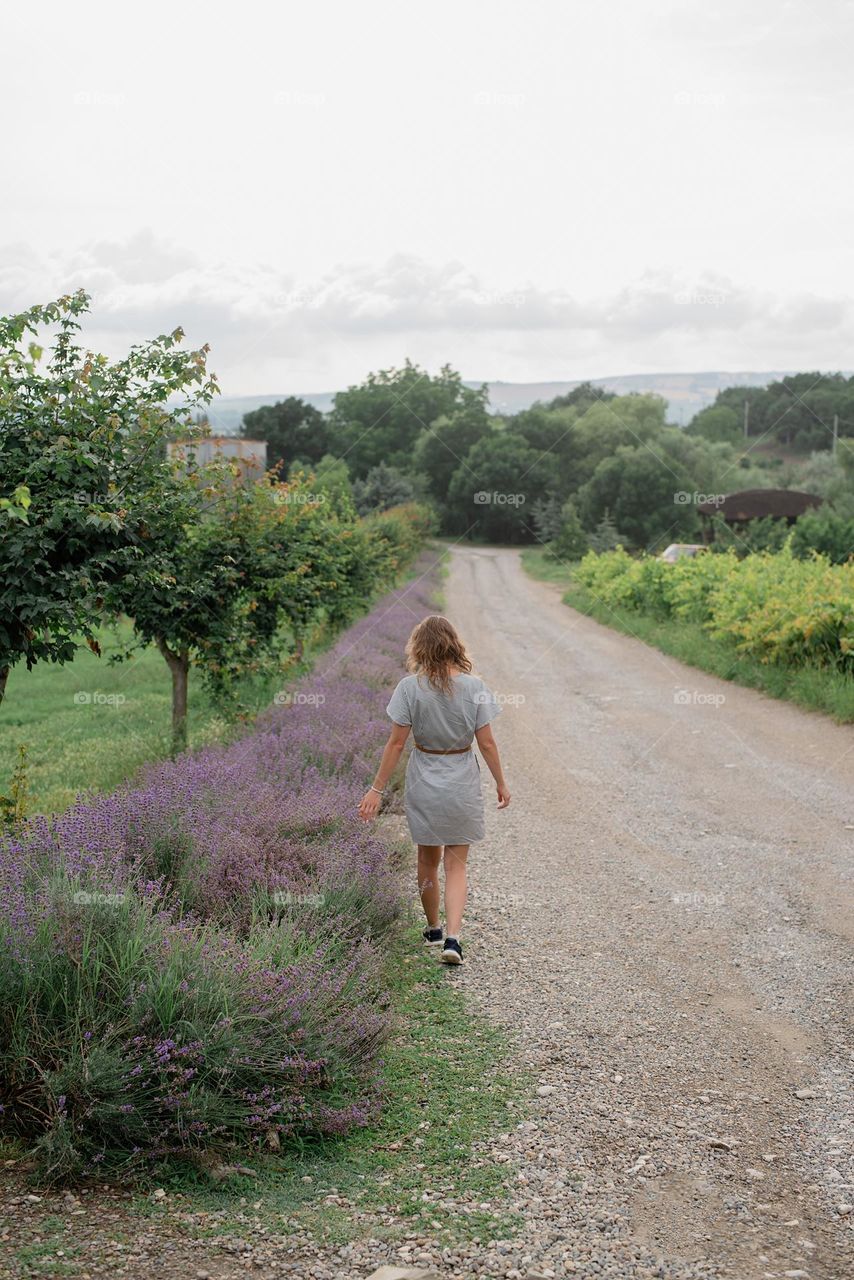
(373, 788)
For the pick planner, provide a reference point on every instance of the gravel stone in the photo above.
(661, 922)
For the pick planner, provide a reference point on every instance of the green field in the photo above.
(819, 690)
(93, 723)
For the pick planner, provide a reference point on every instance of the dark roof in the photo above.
(750, 504)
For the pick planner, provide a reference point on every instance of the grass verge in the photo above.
(831, 692)
(92, 723)
(448, 1092)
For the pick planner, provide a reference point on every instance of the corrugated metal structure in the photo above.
(753, 504)
(737, 509)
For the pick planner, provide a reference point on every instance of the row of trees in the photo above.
(98, 521)
(587, 469)
(803, 412)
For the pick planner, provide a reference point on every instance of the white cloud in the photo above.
(267, 328)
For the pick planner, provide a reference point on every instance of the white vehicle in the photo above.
(681, 551)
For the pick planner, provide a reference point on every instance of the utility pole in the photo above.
(835, 432)
(746, 418)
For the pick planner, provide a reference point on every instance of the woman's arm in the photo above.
(370, 805)
(489, 751)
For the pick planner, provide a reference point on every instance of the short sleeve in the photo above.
(487, 707)
(398, 707)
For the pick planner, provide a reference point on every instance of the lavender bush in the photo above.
(189, 965)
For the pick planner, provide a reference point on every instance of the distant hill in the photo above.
(226, 412)
(685, 394)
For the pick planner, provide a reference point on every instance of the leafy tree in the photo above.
(183, 592)
(823, 474)
(606, 426)
(714, 467)
(293, 429)
(642, 488)
(226, 566)
(441, 448)
(331, 478)
(717, 422)
(797, 410)
(493, 490)
(382, 487)
(734, 398)
(381, 419)
(554, 433)
(16, 507)
(584, 395)
(82, 450)
(827, 531)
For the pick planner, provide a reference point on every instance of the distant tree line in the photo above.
(798, 413)
(587, 469)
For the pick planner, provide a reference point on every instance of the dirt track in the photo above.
(665, 913)
(663, 918)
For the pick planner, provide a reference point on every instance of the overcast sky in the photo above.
(527, 189)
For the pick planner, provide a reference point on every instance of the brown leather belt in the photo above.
(452, 751)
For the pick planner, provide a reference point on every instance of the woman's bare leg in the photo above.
(455, 887)
(429, 857)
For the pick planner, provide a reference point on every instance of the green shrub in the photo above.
(773, 606)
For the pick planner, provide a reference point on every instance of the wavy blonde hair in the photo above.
(433, 648)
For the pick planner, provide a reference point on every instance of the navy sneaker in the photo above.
(433, 937)
(452, 952)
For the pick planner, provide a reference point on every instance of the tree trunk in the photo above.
(179, 666)
(4, 676)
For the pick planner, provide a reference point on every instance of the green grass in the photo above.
(447, 1087)
(449, 1094)
(92, 723)
(831, 692)
(54, 1253)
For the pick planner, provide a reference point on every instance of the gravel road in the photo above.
(665, 915)
(663, 919)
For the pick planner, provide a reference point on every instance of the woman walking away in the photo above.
(446, 706)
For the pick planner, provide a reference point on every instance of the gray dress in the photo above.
(443, 798)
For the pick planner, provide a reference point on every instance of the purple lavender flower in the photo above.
(245, 871)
